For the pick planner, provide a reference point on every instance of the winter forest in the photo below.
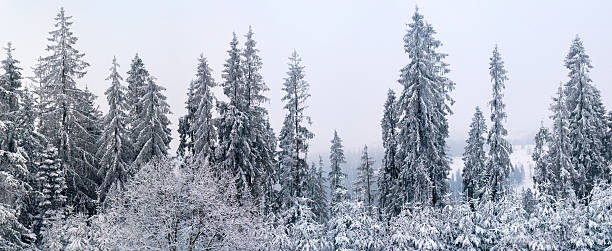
(75, 178)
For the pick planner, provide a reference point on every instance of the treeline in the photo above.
(75, 179)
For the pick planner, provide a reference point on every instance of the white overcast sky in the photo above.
(352, 50)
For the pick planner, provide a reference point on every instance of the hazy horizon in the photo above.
(352, 50)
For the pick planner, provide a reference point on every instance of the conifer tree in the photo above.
(137, 79)
(262, 152)
(319, 198)
(67, 119)
(585, 120)
(52, 183)
(115, 146)
(294, 134)
(558, 159)
(542, 178)
(423, 127)
(198, 121)
(474, 158)
(336, 176)
(234, 151)
(390, 170)
(365, 180)
(498, 165)
(152, 125)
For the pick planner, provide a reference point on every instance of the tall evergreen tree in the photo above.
(365, 180)
(336, 176)
(234, 151)
(137, 79)
(294, 134)
(115, 146)
(423, 127)
(498, 165)
(319, 198)
(474, 158)
(390, 171)
(262, 152)
(202, 127)
(586, 128)
(66, 116)
(559, 159)
(542, 178)
(151, 125)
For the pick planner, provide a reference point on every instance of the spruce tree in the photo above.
(151, 125)
(542, 175)
(319, 198)
(137, 79)
(262, 152)
(335, 175)
(498, 165)
(390, 170)
(198, 121)
(115, 146)
(66, 112)
(294, 134)
(52, 183)
(585, 120)
(365, 180)
(559, 159)
(474, 158)
(423, 127)
(234, 151)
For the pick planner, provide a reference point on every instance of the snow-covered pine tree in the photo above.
(320, 208)
(390, 170)
(559, 158)
(586, 125)
(199, 121)
(234, 153)
(52, 183)
(294, 134)
(365, 180)
(151, 125)
(115, 146)
(335, 175)
(498, 164)
(423, 127)
(474, 158)
(137, 79)
(14, 173)
(542, 176)
(262, 152)
(66, 119)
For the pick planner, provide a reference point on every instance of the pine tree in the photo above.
(365, 180)
(390, 170)
(335, 175)
(262, 152)
(151, 125)
(137, 79)
(423, 127)
(558, 159)
(498, 165)
(585, 121)
(542, 175)
(67, 118)
(319, 197)
(115, 146)
(474, 158)
(52, 182)
(234, 151)
(199, 121)
(294, 134)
